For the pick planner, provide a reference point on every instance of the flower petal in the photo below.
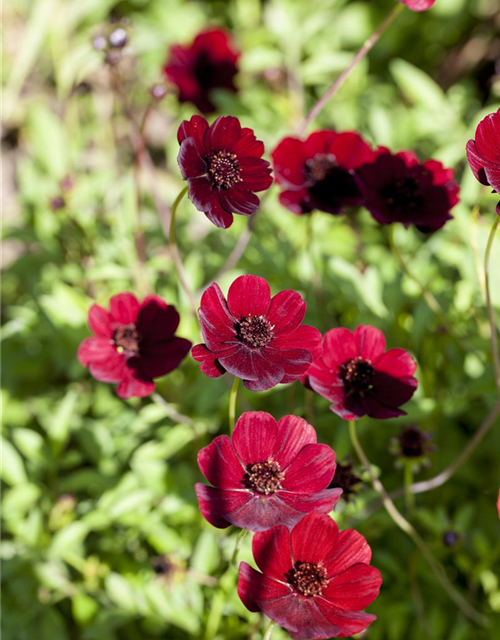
(156, 320)
(254, 587)
(339, 346)
(355, 588)
(294, 434)
(256, 437)
(100, 322)
(313, 538)
(348, 623)
(161, 358)
(271, 552)
(133, 387)
(370, 342)
(123, 308)
(249, 295)
(194, 128)
(262, 512)
(216, 504)
(248, 145)
(216, 333)
(235, 200)
(97, 350)
(312, 470)
(304, 337)
(191, 164)
(286, 312)
(219, 464)
(223, 134)
(289, 159)
(351, 548)
(256, 173)
(321, 502)
(210, 366)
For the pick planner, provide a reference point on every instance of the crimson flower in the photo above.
(209, 62)
(398, 188)
(268, 473)
(223, 166)
(418, 5)
(133, 343)
(253, 336)
(315, 580)
(317, 173)
(360, 377)
(483, 153)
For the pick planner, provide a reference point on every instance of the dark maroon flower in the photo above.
(413, 443)
(317, 173)
(223, 166)
(208, 63)
(133, 343)
(398, 188)
(315, 580)
(253, 336)
(269, 473)
(483, 153)
(359, 377)
(346, 480)
(418, 5)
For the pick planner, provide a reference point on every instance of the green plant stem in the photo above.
(269, 631)
(491, 313)
(405, 526)
(172, 240)
(237, 546)
(232, 404)
(408, 481)
(340, 79)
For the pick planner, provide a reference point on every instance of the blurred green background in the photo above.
(96, 489)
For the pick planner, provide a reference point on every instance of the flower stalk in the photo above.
(232, 404)
(237, 546)
(491, 313)
(269, 630)
(172, 239)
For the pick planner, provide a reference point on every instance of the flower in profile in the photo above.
(223, 166)
(317, 173)
(346, 480)
(360, 377)
(209, 62)
(412, 446)
(133, 343)
(483, 153)
(255, 337)
(268, 473)
(398, 188)
(315, 580)
(418, 5)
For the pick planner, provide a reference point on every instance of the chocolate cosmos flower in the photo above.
(317, 173)
(398, 188)
(418, 5)
(133, 343)
(223, 166)
(315, 580)
(359, 377)
(253, 336)
(483, 153)
(210, 62)
(268, 473)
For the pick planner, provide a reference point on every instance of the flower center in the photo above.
(255, 331)
(413, 442)
(357, 375)
(308, 578)
(127, 338)
(318, 168)
(264, 477)
(404, 194)
(224, 169)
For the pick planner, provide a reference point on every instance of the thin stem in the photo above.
(237, 546)
(269, 631)
(408, 481)
(405, 526)
(491, 313)
(172, 239)
(340, 79)
(232, 404)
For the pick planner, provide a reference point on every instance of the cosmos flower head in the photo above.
(223, 166)
(359, 377)
(254, 337)
(399, 188)
(314, 580)
(209, 62)
(346, 480)
(317, 173)
(267, 473)
(133, 343)
(483, 153)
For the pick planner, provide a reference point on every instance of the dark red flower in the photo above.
(360, 377)
(253, 336)
(269, 473)
(133, 343)
(317, 173)
(398, 188)
(483, 153)
(346, 480)
(209, 62)
(418, 5)
(315, 580)
(223, 166)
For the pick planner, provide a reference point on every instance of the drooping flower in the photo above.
(133, 343)
(317, 173)
(223, 166)
(315, 580)
(268, 473)
(398, 188)
(209, 62)
(255, 337)
(483, 153)
(360, 377)
(346, 480)
(418, 5)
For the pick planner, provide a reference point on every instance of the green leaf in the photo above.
(12, 469)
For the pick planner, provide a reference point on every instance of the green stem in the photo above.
(232, 404)
(405, 526)
(269, 631)
(491, 313)
(172, 240)
(237, 546)
(408, 481)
